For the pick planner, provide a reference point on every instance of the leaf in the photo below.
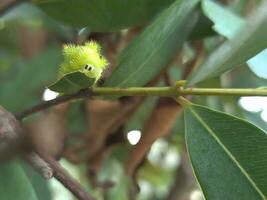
(121, 189)
(29, 77)
(71, 83)
(247, 43)
(112, 171)
(153, 49)
(102, 15)
(244, 73)
(228, 154)
(256, 119)
(202, 29)
(226, 23)
(40, 185)
(14, 183)
(141, 115)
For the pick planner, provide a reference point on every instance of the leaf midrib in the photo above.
(72, 83)
(213, 134)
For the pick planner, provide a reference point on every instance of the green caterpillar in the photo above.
(86, 59)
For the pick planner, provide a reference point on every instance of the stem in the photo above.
(172, 91)
(224, 92)
(136, 91)
(62, 176)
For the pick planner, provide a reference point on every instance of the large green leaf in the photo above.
(228, 154)
(27, 81)
(72, 82)
(14, 183)
(249, 41)
(102, 15)
(154, 48)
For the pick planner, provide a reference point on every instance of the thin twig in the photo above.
(11, 5)
(62, 175)
(47, 104)
(39, 165)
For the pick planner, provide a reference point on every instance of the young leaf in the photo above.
(14, 183)
(102, 15)
(228, 154)
(244, 45)
(154, 48)
(71, 83)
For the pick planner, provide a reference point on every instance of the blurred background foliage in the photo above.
(128, 148)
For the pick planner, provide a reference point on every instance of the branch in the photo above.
(47, 104)
(62, 176)
(14, 140)
(172, 91)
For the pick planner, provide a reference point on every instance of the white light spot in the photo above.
(146, 190)
(172, 159)
(164, 155)
(196, 195)
(134, 137)
(253, 104)
(264, 115)
(49, 95)
(157, 152)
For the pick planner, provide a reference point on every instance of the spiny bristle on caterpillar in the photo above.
(85, 58)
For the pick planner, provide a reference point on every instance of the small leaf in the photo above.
(14, 183)
(102, 15)
(153, 49)
(246, 43)
(72, 82)
(228, 154)
(226, 23)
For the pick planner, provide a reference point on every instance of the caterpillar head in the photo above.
(85, 58)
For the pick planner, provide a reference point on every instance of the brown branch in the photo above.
(47, 104)
(10, 6)
(12, 137)
(62, 175)
(39, 165)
